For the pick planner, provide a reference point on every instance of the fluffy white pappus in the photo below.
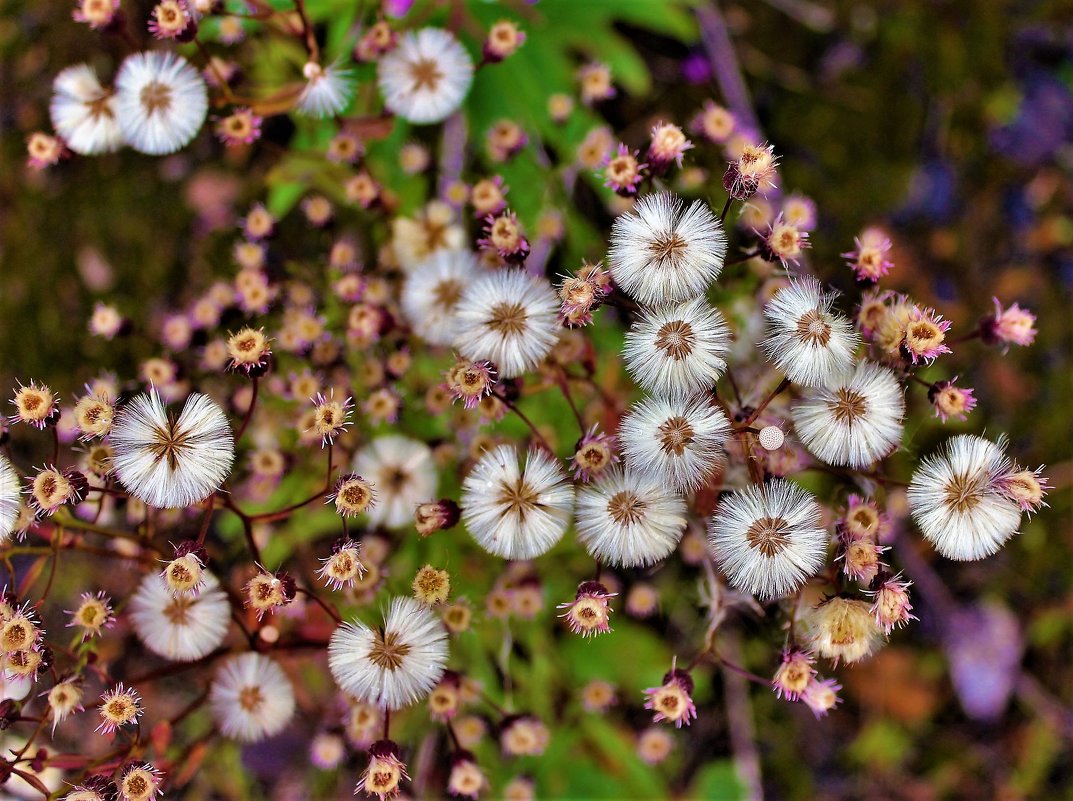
(10, 498)
(677, 350)
(394, 666)
(327, 91)
(182, 628)
(767, 538)
(432, 291)
(954, 500)
(628, 519)
(806, 339)
(403, 475)
(426, 77)
(513, 511)
(171, 464)
(509, 318)
(854, 420)
(251, 698)
(161, 102)
(84, 112)
(676, 441)
(663, 252)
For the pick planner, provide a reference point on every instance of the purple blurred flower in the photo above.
(984, 646)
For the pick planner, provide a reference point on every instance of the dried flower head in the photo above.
(118, 707)
(385, 773)
(436, 516)
(754, 169)
(93, 613)
(327, 90)
(672, 701)
(793, 675)
(268, 591)
(331, 417)
(36, 405)
(589, 613)
(843, 630)
(471, 382)
(94, 415)
(1012, 325)
(431, 586)
(250, 351)
(504, 39)
(623, 171)
(343, 568)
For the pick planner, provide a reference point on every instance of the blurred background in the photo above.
(949, 123)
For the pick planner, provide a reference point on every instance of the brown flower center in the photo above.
(626, 508)
(675, 435)
(665, 249)
(676, 339)
(813, 329)
(962, 493)
(425, 74)
(447, 293)
(849, 405)
(387, 651)
(518, 497)
(508, 318)
(156, 96)
(769, 535)
(250, 698)
(177, 610)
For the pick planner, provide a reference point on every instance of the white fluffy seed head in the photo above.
(182, 627)
(10, 498)
(84, 113)
(161, 101)
(955, 502)
(394, 666)
(677, 442)
(327, 91)
(767, 538)
(426, 77)
(514, 511)
(806, 339)
(403, 475)
(171, 464)
(662, 252)
(251, 698)
(509, 318)
(432, 291)
(628, 519)
(677, 350)
(854, 420)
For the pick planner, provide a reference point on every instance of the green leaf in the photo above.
(717, 781)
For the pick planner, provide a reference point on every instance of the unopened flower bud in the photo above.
(503, 40)
(436, 516)
(793, 674)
